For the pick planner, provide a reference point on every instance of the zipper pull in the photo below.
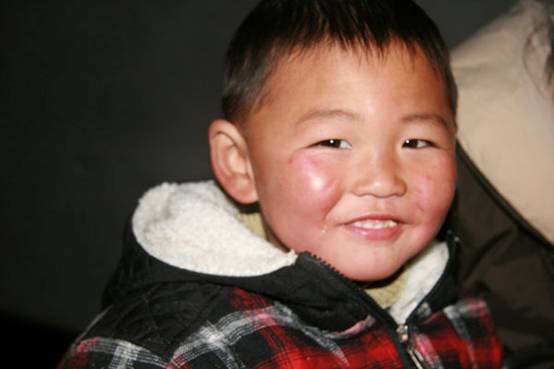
(403, 332)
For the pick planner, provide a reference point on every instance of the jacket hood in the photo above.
(190, 232)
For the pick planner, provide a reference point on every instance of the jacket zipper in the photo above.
(399, 333)
(389, 323)
(403, 331)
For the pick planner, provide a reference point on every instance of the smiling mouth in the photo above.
(375, 224)
(376, 228)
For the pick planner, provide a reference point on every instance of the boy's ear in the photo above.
(231, 161)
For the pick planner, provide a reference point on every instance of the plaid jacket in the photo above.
(241, 329)
(303, 315)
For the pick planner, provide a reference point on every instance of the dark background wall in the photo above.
(100, 100)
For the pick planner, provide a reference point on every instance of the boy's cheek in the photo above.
(435, 188)
(314, 181)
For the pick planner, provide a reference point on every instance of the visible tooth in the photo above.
(375, 224)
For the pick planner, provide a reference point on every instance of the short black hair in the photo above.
(277, 28)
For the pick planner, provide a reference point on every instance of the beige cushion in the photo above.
(506, 110)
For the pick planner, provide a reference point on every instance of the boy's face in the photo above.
(353, 158)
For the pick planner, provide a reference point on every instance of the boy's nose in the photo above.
(380, 177)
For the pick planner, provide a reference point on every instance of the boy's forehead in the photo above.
(287, 70)
(281, 68)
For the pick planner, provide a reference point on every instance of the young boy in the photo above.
(340, 124)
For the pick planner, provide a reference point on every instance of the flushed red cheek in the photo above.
(315, 182)
(435, 194)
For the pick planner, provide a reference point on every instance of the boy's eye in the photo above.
(336, 144)
(415, 143)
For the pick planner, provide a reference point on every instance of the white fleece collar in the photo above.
(423, 273)
(193, 226)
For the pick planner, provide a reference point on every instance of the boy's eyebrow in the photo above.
(326, 114)
(427, 118)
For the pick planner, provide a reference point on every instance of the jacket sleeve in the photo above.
(98, 352)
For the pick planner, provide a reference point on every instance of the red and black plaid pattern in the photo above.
(460, 336)
(258, 333)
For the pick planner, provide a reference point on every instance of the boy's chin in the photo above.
(377, 277)
(369, 272)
